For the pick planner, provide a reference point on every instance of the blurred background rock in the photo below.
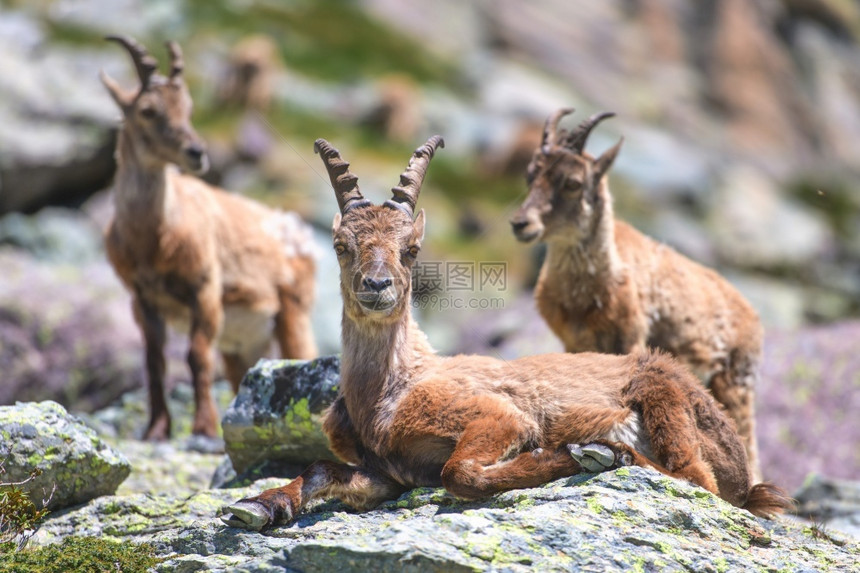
(741, 121)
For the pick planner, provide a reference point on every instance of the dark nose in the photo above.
(195, 151)
(377, 285)
(518, 224)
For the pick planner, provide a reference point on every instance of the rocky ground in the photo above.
(620, 521)
(628, 519)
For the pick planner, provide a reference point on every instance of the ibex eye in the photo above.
(339, 249)
(572, 184)
(413, 251)
(147, 112)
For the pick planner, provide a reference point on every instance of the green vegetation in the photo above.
(83, 555)
(459, 180)
(19, 520)
(19, 516)
(328, 39)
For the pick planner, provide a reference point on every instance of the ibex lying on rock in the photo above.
(224, 269)
(405, 417)
(605, 287)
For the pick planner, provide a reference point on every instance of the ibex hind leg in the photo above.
(480, 464)
(738, 398)
(658, 393)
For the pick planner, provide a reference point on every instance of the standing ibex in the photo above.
(405, 417)
(224, 269)
(605, 287)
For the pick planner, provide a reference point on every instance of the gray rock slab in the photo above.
(627, 520)
(76, 465)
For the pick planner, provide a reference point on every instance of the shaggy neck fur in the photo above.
(586, 264)
(143, 191)
(380, 362)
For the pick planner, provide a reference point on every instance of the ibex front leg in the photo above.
(154, 333)
(357, 487)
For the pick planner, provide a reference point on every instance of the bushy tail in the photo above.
(766, 500)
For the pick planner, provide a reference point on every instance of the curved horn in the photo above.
(345, 184)
(550, 128)
(177, 62)
(576, 140)
(146, 65)
(406, 193)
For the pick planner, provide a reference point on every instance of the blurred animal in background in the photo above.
(605, 287)
(396, 115)
(512, 159)
(226, 270)
(405, 417)
(250, 76)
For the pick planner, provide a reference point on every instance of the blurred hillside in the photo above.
(741, 123)
(741, 119)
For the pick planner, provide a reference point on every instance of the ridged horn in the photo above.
(406, 193)
(550, 128)
(344, 183)
(576, 140)
(177, 62)
(145, 64)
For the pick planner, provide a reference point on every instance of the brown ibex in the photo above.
(225, 269)
(605, 287)
(405, 417)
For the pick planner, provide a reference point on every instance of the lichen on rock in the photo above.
(75, 464)
(633, 519)
(276, 415)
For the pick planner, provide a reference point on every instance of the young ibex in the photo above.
(224, 269)
(605, 287)
(405, 417)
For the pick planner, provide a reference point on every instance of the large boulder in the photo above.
(627, 520)
(57, 123)
(276, 414)
(75, 465)
(755, 226)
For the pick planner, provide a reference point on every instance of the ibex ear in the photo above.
(335, 224)
(122, 98)
(604, 162)
(418, 226)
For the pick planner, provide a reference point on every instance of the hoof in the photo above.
(593, 457)
(246, 515)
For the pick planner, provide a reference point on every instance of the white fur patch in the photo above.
(632, 433)
(296, 235)
(246, 332)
